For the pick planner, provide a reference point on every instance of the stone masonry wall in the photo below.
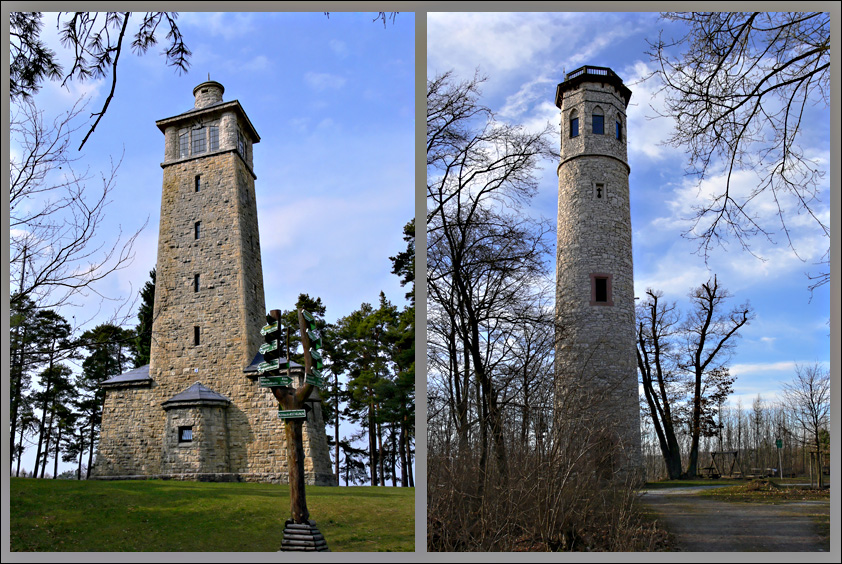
(207, 452)
(597, 351)
(228, 309)
(125, 446)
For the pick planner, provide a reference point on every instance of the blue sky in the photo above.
(333, 100)
(525, 55)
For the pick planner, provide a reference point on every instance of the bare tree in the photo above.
(657, 327)
(484, 256)
(739, 91)
(808, 398)
(55, 214)
(96, 39)
(681, 365)
(709, 334)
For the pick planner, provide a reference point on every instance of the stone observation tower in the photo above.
(196, 411)
(596, 367)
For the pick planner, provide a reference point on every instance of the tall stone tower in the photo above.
(196, 411)
(596, 367)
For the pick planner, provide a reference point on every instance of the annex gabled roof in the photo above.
(197, 393)
(136, 377)
(251, 369)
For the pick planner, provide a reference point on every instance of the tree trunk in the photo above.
(81, 452)
(55, 463)
(41, 430)
(336, 427)
(372, 445)
(90, 449)
(295, 461)
(380, 455)
(402, 447)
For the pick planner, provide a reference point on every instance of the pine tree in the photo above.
(143, 333)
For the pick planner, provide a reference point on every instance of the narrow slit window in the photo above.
(601, 289)
(574, 124)
(198, 183)
(197, 229)
(241, 144)
(619, 131)
(195, 282)
(196, 341)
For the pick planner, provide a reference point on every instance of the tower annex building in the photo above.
(595, 352)
(196, 411)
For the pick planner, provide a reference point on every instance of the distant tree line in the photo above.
(799, 418)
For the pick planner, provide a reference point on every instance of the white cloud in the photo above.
(223, 24)
(761, 368)
(338, 47)
(321, 81)
(258, 63)
(496, 42)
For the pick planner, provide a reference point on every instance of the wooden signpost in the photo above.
(300, 533)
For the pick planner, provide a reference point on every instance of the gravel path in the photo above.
(702, 524)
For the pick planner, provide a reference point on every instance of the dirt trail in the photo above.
(702, 524)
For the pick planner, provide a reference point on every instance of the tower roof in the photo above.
(207, 103)
(589, 73)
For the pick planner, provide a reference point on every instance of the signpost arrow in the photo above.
(292, 414)
(272, 381)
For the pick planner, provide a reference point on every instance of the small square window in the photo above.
(601, 289)
(599, 191)
(185, 434)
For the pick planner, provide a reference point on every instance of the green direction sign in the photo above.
(269, 328)
(315, 380)
(292, 414)
(779, 443)
(268, 347)
(272, 381)
(309, 317)
(271, 365)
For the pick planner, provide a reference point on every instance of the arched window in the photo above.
(598, 121)
(574, 123)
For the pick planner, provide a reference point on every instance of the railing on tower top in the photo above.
(602, 71)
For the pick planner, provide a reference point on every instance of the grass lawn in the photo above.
(768, 491)
(666, 484)
(171, 516)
